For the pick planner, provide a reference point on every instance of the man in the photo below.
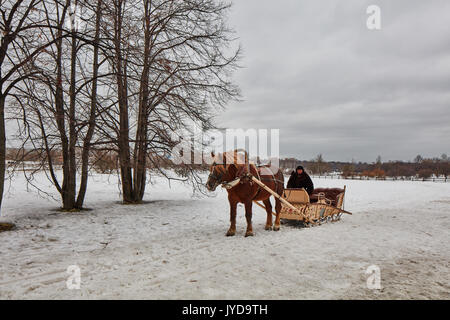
(300, 179)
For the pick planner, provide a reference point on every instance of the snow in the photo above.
(174, 245)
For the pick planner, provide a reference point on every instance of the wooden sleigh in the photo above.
(325, 205)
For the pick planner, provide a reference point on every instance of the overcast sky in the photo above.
(314, 70)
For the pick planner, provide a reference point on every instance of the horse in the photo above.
(227, 168)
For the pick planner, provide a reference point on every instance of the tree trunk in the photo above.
(123, 138)
(140, 153)
(89, 134)
(69, 200)
(60, 120)
(2, 147)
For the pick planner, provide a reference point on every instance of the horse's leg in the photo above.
(277, 219)
(248, 216)
(233, 208)
(269, 214)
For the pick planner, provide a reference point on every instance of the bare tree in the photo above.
(61, 96)
(170, 67)
(318, 165)
(418, 159)
(21, 42)
(378, 162)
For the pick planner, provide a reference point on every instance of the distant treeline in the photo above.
(420, 167)
(100, 160)
(107, 162)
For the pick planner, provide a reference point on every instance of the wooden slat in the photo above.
(276, 195)
(291, 216)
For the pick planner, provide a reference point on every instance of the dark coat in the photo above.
(303, 180)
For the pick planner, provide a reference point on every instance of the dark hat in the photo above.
(300, 167)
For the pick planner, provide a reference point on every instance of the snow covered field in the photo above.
(174, 246)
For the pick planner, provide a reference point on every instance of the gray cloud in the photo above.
(313, 69)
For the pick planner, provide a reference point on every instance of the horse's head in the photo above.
(223, 169)
(217, 172)
(215, 177)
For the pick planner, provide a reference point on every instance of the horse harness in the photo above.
(245, 176)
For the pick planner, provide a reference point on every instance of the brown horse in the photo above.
(228, 167)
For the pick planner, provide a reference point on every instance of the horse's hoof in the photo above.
(276, 228)
(268, 228)
(249, 234)
(231, 233)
